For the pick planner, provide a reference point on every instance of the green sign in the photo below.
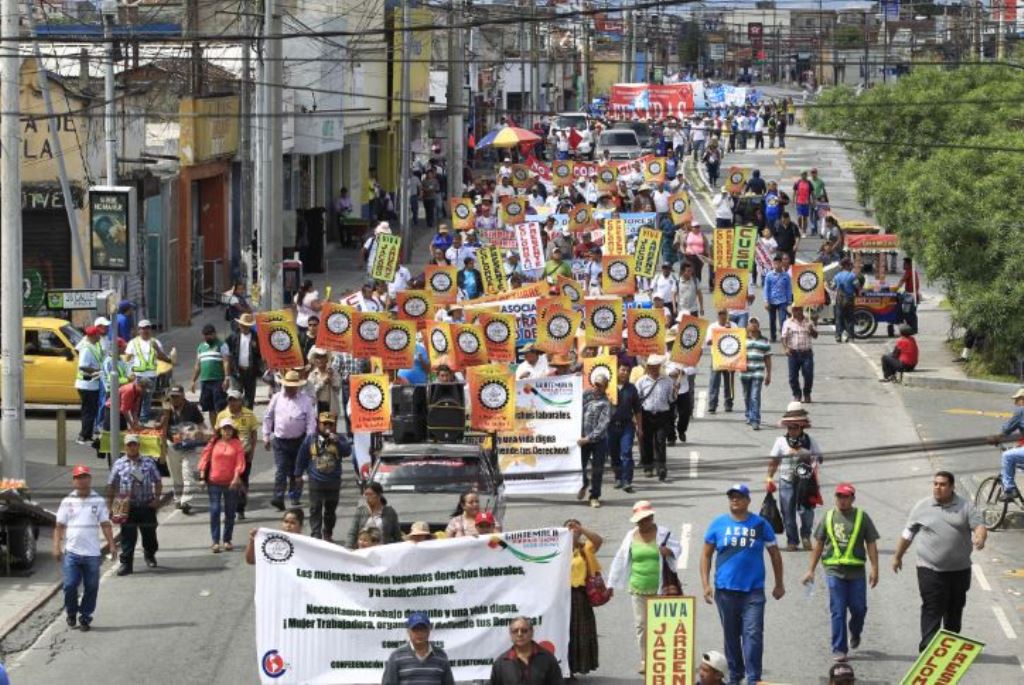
(33, 291)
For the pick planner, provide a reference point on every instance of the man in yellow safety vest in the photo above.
(143, 353)
(844, 540)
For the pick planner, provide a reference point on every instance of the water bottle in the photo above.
(809, 589)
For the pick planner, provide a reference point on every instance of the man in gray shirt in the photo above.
(418, 662)
(656, 395)
(943, 525)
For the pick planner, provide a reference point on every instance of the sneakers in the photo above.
(791, 548)
(806, 542)
(712, 410)
(277, 504)
(151, 562)
(756, 426)
(839, 657)
(618, 485)
(71, 621)
(215, 548)
(728, 409)
(124, 570)
(1009, 495)
(84, 442)
(629, 488)
(854, 641)
(595, 503)
(86, 627)
(582, 493)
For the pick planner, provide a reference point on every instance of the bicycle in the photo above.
(988, 500)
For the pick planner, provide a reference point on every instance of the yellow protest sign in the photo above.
(463, 213)
(520, 176)
(607, 178)
(499, 335)
(603, 321)
(398, 344)
(645, 259)
(669, 645)
(721, 247)
(561, 173)
(690, 337)
(440, 282)
(736, 180)
(679, 208)
(493, 390)
(512, 210)
(603, 363)
(491, 269)
(371, 403)
(414, 305)
(439, 345)
(945, 660)
(617, 275)
(581, 217)
(570, 289)
(646, 332)
(556, 332)
(385, 259)
(808, 284)
(615, 237)
(731, 288)
(744, 245)
(729, 349)
(654, 170)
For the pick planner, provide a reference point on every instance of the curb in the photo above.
(968, 384)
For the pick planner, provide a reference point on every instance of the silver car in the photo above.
(619, 143)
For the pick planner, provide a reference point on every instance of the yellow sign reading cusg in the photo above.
(669, 653)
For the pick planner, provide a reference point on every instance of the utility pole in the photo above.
(632, 46)
(624, 67)
(522, 71)
(885, 43)
(534, 67)
(245, 147)
(456, 88)
(867, 55)
(110, 130)
(272, 191)
(586, 61)
(12, 342)
(405, 126)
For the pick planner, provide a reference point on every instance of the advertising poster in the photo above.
(110, 229)
(279, 339)
(370, 406)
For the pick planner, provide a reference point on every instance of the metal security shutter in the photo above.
(47, 248)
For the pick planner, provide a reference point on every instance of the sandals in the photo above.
(215, 548)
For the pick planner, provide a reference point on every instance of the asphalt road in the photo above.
(191, 619)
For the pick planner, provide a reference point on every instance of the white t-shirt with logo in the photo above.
(82, 517)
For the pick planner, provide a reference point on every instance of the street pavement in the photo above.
(191, 619)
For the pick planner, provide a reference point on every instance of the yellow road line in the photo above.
(978, 412)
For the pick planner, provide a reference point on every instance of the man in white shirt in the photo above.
(401, 281)
(534, 365)
(720, 378)
(504, 188)
(635, 178)
(660, 197)
(666, 286)
(80, 518)
(87, 381)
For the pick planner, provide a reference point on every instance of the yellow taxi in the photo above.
(51, 361)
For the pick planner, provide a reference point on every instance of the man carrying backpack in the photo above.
(844, 540)
(794, 457)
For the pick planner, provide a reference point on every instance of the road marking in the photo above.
(684, 547)
(1004, 622)
(694, 458)
(982, 580)
(978, 412)
(1019, 661)
(702, 404)
(869, 360)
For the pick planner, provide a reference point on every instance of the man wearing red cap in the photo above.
(80, 518)
(840, 541)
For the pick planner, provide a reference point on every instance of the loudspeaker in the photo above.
(446, 412)
(408, 413)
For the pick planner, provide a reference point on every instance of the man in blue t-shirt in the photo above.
(847, 288)
(740, 539)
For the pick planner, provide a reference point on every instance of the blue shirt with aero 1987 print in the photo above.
(740, 546)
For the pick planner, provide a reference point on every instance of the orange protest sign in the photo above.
(398, 344)
(279, 339)
(607, 364)
(468, 345)
(654, 170)
(607, 178)
(615, 237)
(520, 176)
(440, 283)
(527, 291)
(414, 305)
(556, 332)
(561, 173)
(731, 288)
(617, 275)
(603, 322)
(736, 180)
(689, 339)
(581, 217)
(513, 210)
(646, 334)
(463, 213)
(808, 284)
(499, 336)
(545, 304)
(729, 349)
(570, 289)
(366, 327)
(493, 390)
(335, 331)
(679, 207)
(439, 345)
(371, 403)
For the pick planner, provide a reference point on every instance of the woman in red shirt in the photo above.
(222, 466)
(903, 356)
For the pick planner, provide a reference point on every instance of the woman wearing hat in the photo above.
(222, 466)
(640, 563)
(787, 453)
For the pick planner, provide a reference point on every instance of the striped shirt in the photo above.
(404, 667)
(757, 350)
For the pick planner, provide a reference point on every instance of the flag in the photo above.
(679, 207)
(646, 334)
(736, 180)
(645, 259)
(731, 288)
(335, 331)
(493, 392)
(439, 344)
(440, 282)
(569, 289)
(468, 345)
(581, 217)
(414, 305)
(610, 365)
(500, 332)
(607, 178)
(398, 344)
(370, 406)
(615, 237)
(574, 138)
(603, 321)
(808, 284)
(386, 257)
(366, 337)
(512, 210)
(463, 213)
(729, 349)
(690, 337)
(279, 339)
(556, 330)
(617, 275)
(561, 173)
(654, 170)
(492, 270)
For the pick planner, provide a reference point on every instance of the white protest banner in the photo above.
(636, 220)
(529, 245)
(325, 614)
(542, 456)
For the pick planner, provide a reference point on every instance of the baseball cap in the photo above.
(145, 323)
(80, 470)
(740, 488)
(327, 417)
(715, 660)
(416, 619)
(131, 437)
(846, 489)
(92, 330)
(841, 670)
(101, 321)
(484, 517)
(234, 394)
(176, 390)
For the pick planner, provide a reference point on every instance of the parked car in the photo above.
(51, 361)
(643, 132)
(423, 481)
(581, 122)
(620, 143)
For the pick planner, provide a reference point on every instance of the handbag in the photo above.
(770, 512)
(119, 508)
(669, 578)
(598, 593)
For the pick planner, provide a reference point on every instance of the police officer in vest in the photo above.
(840, 541)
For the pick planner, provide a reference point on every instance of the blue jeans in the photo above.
(219, 494)
(846, 596)
(742, 617)
(286, 450)
(146, 407)
(844, 319)
(620, 447)
(740, 318)
(752, 399)
(801, 363)
(717, 378)
(1012, 460)
(84, 571)
(595, 453)
(790, 510)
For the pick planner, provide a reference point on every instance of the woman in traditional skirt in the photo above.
(582, 625)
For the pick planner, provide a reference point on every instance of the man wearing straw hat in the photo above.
(656, 396)
(290, 417)
(789, 451)
(246, 361)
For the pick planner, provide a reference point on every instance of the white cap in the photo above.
(101, 321)
(145, 323)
